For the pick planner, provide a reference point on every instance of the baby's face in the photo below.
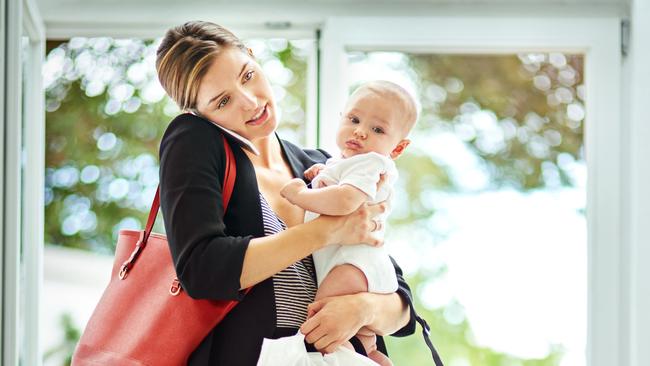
(370, 123)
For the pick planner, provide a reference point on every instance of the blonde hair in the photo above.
(186, 53)
(403, 97)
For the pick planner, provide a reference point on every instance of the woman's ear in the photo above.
(250, 52)
(399, 149)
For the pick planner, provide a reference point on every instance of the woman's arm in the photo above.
(210, 262)
(269, 255)
(334, 320)
(339, 318)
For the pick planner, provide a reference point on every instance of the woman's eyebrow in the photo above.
(238, 76)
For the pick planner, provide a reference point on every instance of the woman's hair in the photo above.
(185, 54)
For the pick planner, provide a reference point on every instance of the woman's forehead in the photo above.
(227, 66)
(224, 71)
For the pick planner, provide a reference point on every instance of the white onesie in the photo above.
(361, 171)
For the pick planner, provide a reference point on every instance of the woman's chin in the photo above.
(263, 130)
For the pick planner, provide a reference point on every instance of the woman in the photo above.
(262, 240)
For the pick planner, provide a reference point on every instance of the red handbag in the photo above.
(144, 317)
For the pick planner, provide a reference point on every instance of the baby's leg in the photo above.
(347, 279)
(344, 279)
(370, 345)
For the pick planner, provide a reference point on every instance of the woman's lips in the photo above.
(261, 119)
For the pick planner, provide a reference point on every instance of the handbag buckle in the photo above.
(175, 289)
(139, 246)
(124, 271)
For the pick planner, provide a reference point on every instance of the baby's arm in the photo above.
(313, 171)
(333, 200)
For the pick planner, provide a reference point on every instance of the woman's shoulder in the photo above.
(191, 132)
(308, 157)
(189, 124)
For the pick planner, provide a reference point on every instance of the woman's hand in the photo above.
(357, 227)
(334, 320)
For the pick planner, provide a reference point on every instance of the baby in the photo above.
(377, 118)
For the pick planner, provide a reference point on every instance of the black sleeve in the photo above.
(207, 261)
(405, 292)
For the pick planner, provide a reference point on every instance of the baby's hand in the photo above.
(291, 190)
(313, 171)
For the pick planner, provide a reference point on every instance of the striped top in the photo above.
(295, 286)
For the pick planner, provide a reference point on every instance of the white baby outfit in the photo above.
(361, 171)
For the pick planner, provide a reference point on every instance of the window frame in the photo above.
(33, 215)
(598, 39)
(23, 164)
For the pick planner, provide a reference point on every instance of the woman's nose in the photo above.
(248, 100)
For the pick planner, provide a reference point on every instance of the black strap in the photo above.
(425, 333)
(358, 346)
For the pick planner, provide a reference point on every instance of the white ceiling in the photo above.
(150, 18)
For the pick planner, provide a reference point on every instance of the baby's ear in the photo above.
(399, 149)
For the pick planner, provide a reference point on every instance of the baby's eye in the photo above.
(248, 75)
(353, 119)
(223, 102)
(377, 130)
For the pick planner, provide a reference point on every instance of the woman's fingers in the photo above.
(315, 335)
(330, 347)
(314, 307)
(337, 319)
(309, 325)
(358, 227)
(324, 339)
(382, 181)
(376, 209)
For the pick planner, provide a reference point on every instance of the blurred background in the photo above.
(522, 214)
(489, 222)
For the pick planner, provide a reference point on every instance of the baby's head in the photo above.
(377, 118)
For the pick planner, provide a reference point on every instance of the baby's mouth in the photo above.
(353, 144)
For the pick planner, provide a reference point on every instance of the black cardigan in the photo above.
(208, 249)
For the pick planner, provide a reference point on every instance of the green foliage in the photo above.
(535, 99)
(453, 340)
(71, 334)
(106, 114)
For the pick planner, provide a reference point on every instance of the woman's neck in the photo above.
(270, 152)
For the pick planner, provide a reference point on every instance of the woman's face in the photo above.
(235, 94)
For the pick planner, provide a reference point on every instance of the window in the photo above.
(489, 218)
(345, 38)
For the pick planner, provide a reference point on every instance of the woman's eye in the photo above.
(377, 130)
(248, 75)
(223, 102)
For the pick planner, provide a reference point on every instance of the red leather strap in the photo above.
(228, 185)
(230, 175)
